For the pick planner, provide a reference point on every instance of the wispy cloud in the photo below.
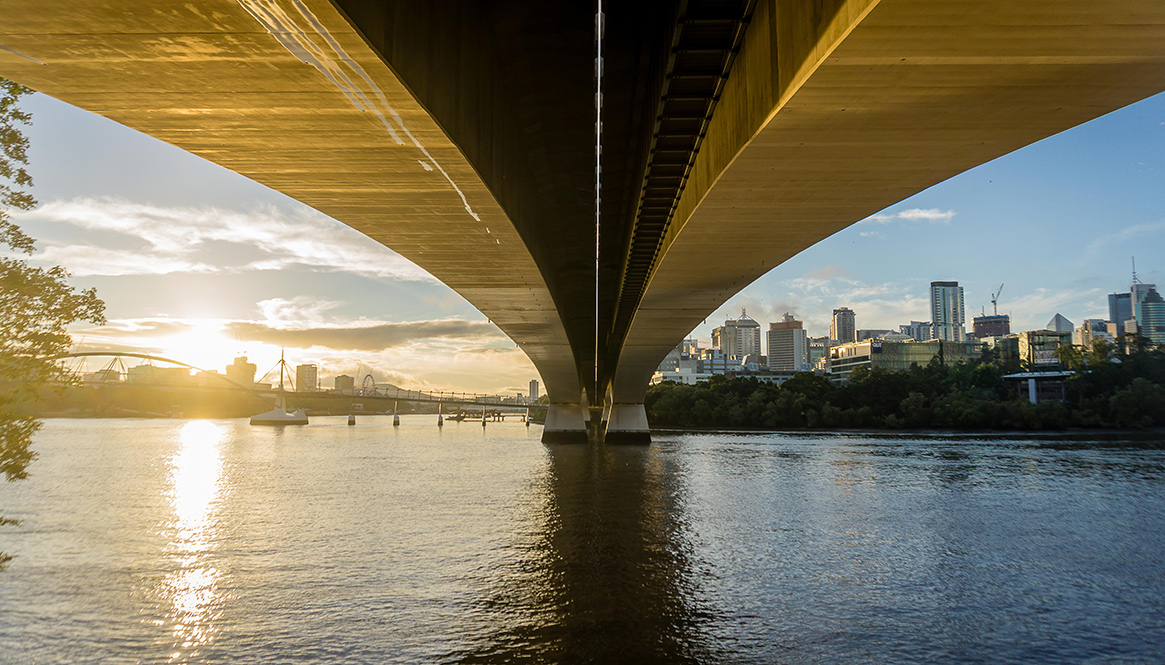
(364, 338)
(1123, 235)
(932, 215)
(813, 296)
(1034, 310)
(190, 240)
(299, 310)
(103, 262)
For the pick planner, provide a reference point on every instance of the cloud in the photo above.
(933, 215)
(366, 337)
(300, 309)
(180, 240)
(1035, 309)
(1123, 235)
(103, 262)
(829, 273)
(812, 297)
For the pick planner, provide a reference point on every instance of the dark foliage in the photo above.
(1116, 386)
(36, 305)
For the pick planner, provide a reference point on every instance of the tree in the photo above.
(36, 304)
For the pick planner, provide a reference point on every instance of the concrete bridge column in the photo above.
(565, 423)
(627, 423)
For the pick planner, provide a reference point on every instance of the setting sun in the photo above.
(205, 346)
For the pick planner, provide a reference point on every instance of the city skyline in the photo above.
(203, 264)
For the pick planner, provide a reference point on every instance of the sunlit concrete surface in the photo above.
(461, 134)
(290, 95)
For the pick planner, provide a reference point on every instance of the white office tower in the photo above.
(306, 378)
(946, 311)
(843, 328)
(788, 346)
(738, 338)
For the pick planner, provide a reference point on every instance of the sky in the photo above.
(199, 264)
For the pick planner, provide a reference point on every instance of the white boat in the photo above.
(280, 415)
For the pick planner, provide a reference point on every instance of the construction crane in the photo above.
(995, 300)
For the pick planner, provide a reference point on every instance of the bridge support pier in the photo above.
(627, 423)
(565, 423)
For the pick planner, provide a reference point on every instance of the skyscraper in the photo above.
(788, 345)
(946, 311)
(533, 389)
(1120, 308)
(1153, 316)
(844, 327)
(1138, 291)
(738, 338)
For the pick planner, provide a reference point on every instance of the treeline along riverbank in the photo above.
(1112, 388)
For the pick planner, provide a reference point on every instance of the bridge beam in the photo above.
(462, 134)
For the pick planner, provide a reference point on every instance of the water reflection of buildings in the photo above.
(191, 590)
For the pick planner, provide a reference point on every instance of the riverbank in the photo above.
(1112, 393)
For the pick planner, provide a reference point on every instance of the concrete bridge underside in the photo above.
(735, 134)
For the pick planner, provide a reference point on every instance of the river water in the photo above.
(170, 541)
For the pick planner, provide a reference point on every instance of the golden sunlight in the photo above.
(205, 345)
(196, 488)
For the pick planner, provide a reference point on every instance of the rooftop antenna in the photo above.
(1135, 280)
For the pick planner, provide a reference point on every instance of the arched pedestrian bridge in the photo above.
(735, 133)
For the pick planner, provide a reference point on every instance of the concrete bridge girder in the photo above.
(443, 130)
(886, 100)
(290, 95)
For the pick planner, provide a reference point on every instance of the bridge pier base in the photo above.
(627, 423)
(565, 423)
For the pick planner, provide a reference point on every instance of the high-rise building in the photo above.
(306, 378)
(788, 345)
(1137, 293)
(1060, 323)
(241, 372)
(843, 328)
(991, 325)
(1153, 316)
(344, 384)
(918, 330)
(533, 389)
(946, 311)
(738, 338)
(1120, 307)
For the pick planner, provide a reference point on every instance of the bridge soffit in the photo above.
(896, 96)
(287, 93)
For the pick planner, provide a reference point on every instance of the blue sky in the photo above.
(200, 263)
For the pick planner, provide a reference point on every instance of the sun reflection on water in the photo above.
(196, 484)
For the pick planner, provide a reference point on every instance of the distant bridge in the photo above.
(398, 394)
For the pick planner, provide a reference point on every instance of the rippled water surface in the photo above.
(212, 541)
